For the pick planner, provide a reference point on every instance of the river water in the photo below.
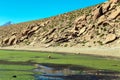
(68, 72)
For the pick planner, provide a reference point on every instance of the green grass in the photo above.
(15, 58)
(39, 57)
(16, 67)
(22, 72)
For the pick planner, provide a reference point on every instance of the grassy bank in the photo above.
(21, 62)
(83, 60)
(15, 72)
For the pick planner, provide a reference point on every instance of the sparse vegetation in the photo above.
(67, 26)
(100, 42)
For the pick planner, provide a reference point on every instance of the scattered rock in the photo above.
(106, 7)
(25, 32)
(82, 30)
(92, 26)
(114, 14)
(110, 38)
(97, 13)
(114, 1)
(23, 38)
(12, 40)
(48, 40)
(35, 28)
(50, 32)
(101, 19)
(14, 33)
(5, 41)
(81, 18)
(61, 40)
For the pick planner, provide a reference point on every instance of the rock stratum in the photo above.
(93, 26)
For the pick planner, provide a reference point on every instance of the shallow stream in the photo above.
(69, 72)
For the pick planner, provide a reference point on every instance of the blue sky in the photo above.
(27, 10)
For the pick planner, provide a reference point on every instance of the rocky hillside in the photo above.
(93, 26)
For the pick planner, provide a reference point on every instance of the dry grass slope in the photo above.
(93, 26)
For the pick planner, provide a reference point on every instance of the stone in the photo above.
(50, 32)
(90, 26)
(114, 14)
(23, 38)
(112, 6)
(106, 7)
(12, 40)
(110, 38)
(61, 40)
(30, 33)
(42, 24)
(81, 18)
(35, 28)
(48, 40)
(5, 41)
(97, 13)
(82, 30)
(101, 19)
(25, 32)
(14, 33)
(114, 1)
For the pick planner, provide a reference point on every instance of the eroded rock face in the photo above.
(72, 29)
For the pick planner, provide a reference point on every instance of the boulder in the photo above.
(14, 33)
(23, 38)
(81, 18)
(50, 32)
(30, 33)
(35, 28)
(110, 38)
(97, 13)
(48, 40)
(81, 24)
(82, 30)
(12, 40)
(42, 24)
(106, 7)
(114, 1)
(25, 32)
(101, 19)
(5, 41)
(61, 40)
(114, 14)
